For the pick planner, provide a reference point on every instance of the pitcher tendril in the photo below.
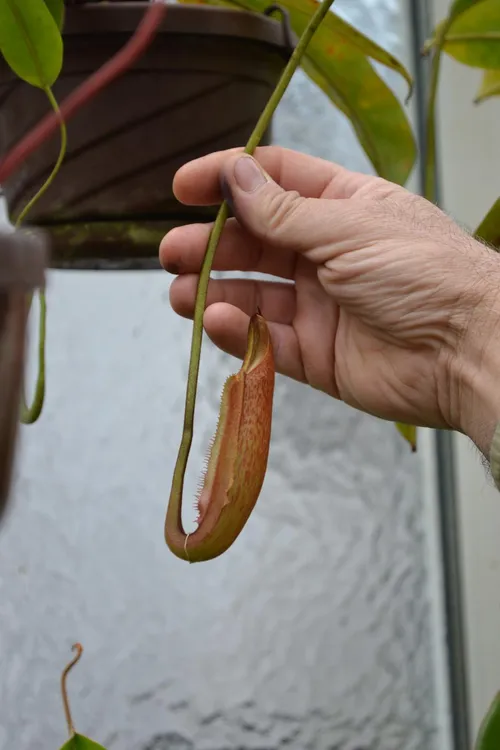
(30, 414)
(173, 522)
(56, 119)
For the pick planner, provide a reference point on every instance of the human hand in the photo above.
(387, 304)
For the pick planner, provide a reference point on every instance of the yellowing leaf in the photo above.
(337, 28)
(460, 6)
(490, 86)
(409, 432)
(30, 41)
(473, 38)
(489, 229)
(338, 62)
(456, 10)
(79, 742)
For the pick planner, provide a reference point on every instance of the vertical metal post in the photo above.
(448, 510)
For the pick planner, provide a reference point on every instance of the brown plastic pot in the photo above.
(22, 265)
(200, 87)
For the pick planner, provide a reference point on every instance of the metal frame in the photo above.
(446, 490)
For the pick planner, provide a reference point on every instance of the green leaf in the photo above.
(489, 733)
(56, 8)
(456, 10)
(79, 742)
(337, 62)
(30, 41)
(340, 29)
(460, 6)
(489, 229)
(490, 86)
(473, 38)
(388, 143)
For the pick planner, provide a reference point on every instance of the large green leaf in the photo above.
(460, 6)
(456, 10)
(56, 8)
(490, 86)
(473, 38)
(30, 41)
(489, 229)
(79, 742)
(338, 29)
(489, 733)
(388, 143)
(337, 62)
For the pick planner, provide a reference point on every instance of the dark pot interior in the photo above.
(22, 265)
(200, 87)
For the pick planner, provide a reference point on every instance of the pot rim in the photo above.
(23, 259)
(123, 17)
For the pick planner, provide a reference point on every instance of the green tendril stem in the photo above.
(30, 414)
(215, 235)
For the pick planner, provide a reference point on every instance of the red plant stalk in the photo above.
(119, 64)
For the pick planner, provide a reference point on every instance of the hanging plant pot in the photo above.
(22, 265)
(200, 87)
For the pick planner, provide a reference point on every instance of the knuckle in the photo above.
(282, 210)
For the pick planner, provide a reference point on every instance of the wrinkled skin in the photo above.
(384, 302)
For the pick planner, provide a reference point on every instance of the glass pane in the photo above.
(313, 631)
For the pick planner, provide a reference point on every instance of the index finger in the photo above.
(197, 183)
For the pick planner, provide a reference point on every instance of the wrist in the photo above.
(476, 367)
(480, 399)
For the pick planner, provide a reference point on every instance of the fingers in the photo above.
(285, 220)
(276, 301)
(183, 248)
(198, 182)
(227, 327)
(272, 221)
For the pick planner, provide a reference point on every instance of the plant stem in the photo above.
(116, 66)
(30, 414)
(62, 152)
(430, 146)
(67, 711)
(436, 44)
(213, 241)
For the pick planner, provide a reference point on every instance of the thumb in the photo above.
(283, 218)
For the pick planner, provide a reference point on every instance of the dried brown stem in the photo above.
(67, 711)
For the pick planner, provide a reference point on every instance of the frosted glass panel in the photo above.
(312, 632)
